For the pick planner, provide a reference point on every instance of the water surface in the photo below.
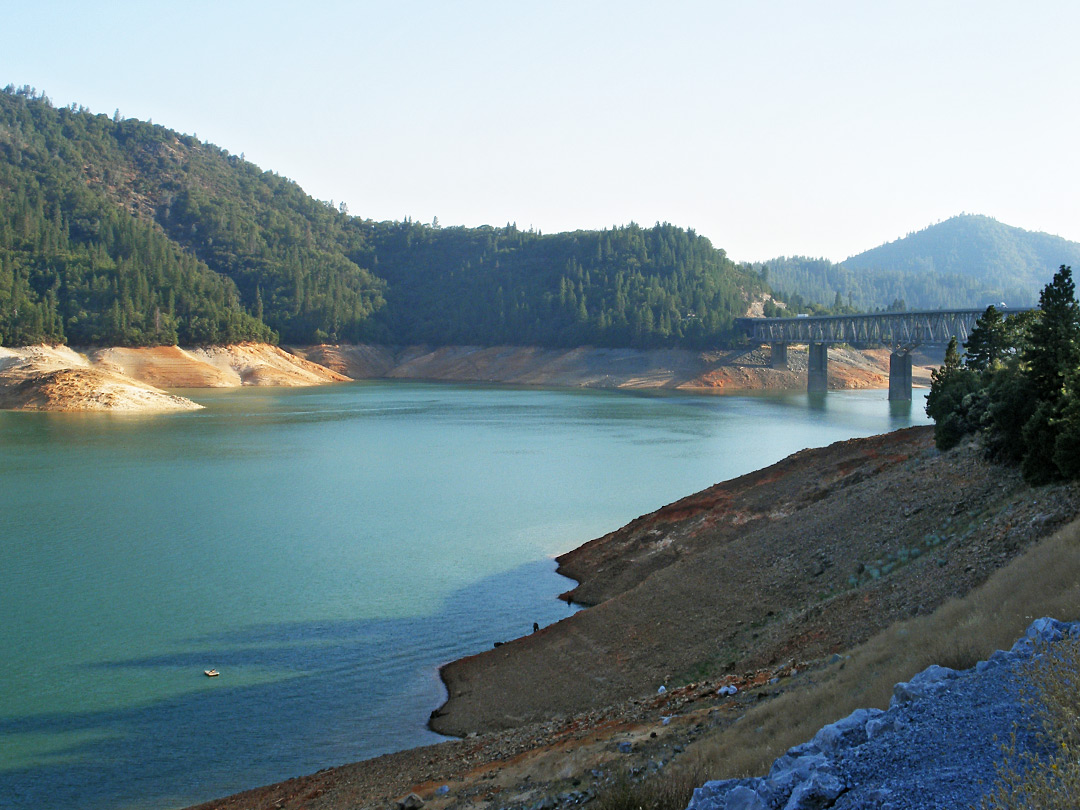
(325, 549)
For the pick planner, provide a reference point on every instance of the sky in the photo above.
(773, 128)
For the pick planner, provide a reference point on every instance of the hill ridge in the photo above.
(969, 261)
(116, 231)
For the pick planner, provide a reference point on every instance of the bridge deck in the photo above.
(898, 329)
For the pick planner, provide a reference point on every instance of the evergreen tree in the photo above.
(988, 342)
(948, 402)
(1054, 350)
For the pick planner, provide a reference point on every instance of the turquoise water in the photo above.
(325, 549)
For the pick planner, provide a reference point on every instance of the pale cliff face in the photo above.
(46, 378)
(131, 379)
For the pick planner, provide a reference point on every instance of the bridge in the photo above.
(900, 331)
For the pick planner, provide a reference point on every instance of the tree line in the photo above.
(121, 231)
(1017, 386)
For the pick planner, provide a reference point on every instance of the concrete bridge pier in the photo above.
(817, 378)
(779, 356)
(900, 375)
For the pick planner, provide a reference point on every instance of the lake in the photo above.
(325, 549)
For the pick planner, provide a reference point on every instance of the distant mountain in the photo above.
(966, 261)
(118, 231)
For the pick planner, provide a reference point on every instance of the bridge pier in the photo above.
(817, 378)
(900, 375)
(779, 356)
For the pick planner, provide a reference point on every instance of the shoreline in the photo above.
(60, 378)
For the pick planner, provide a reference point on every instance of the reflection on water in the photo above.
(325, 549)
(901, 409)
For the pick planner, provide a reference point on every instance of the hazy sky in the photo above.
(774, 128)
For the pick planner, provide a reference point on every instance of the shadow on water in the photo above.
(352, 689)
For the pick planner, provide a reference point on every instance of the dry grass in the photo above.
(670, 790)
(1052, 781)
(1044, 581)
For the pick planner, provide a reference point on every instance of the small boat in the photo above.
(211, 673)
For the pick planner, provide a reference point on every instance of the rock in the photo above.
(729, 794)
(787, 773)
(846, 733)
(996, 660)
(1046, 629)
(743, 798)
(410, 802)
(819, 791)
(885, 722)
(930, 681)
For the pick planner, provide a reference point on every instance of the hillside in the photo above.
(120, 232)
(966, 261)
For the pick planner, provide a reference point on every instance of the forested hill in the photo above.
(627, 286)
(117, 231)
(965, 261)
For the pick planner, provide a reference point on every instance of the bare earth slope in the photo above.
(44, 378)
(215, 366)
(744, 369)
(757, 570)
(130, 379)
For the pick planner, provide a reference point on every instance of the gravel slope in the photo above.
(935, 748)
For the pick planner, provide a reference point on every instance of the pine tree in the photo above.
(988, 342)
(1054, 337)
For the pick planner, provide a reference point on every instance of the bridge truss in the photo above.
(900, 331)
(895, 329)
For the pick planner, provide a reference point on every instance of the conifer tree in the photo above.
(1054, 337)
(988, 342)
